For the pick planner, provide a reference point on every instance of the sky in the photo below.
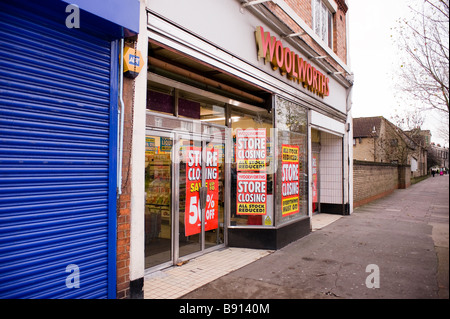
(372, 59)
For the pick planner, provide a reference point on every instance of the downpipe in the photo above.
(120, 123)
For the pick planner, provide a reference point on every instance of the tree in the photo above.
(432, 159)
(411, 122)
(391, 144)
(424, 41)
(408, 119)
(443, 129)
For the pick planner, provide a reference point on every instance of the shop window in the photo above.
(322, 19)
(188, 108)
(157, 200)
(184, 104)
(292, 162)
(252, 170)
(160, 102)
(213, 114)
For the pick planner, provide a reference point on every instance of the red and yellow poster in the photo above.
(251, 194)
(290, 192)
(251, 149)
(315, 198)
(192, 215)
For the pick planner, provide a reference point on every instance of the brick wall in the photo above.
(124, 202)
(372, 180)
(340, 42)
(304, 11)
(123, 247)
(404, 176)
(363, 150)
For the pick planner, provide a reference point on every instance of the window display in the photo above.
(292, 171)
(158, 200)
(251, 174)
(290, 179)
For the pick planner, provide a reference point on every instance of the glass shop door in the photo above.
(184, 186)
(158, 199)
(201, 195)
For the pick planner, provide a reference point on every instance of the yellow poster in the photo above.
(290, 179)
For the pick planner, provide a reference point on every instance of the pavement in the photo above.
(177, 281)
(394, 248)
(174, 282)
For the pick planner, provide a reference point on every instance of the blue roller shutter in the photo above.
(57, 158)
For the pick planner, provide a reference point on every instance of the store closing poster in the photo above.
(251, 193)
(315, 197)
(290, 180)
(251, 154)
(251, 149)
(192, 215)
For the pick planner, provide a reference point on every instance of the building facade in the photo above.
(237, 130)
(375, 139)
(440, 155)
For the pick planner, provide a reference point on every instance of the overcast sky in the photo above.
(372, 59)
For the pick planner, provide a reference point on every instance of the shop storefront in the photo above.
(254, 173)
(197, 150)
(245, 135)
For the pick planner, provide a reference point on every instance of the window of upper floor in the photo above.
(322, 19)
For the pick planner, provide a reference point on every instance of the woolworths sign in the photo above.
(290, 64)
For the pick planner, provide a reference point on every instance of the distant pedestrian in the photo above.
(442, 172)
(433, 172)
